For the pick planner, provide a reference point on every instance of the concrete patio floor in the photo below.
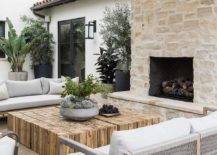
(22, 149)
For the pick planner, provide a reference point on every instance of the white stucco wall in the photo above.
(14, 9)
(91, 10)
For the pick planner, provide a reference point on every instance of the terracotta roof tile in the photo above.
(43, 4)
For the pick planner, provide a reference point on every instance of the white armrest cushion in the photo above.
(203, 123)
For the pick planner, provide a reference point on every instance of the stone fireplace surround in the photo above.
(175, 29)
(172, 29)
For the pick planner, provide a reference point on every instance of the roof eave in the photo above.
(50, 4)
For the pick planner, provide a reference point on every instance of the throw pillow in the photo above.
(56, 88)
(76, 79)
(3, 92)
(24, 88)
(45, 82)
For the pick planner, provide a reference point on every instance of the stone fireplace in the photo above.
(174, 39)
(171, 78)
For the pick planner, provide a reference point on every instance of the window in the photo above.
(2, 34)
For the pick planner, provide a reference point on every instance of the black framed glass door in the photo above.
(71, 48)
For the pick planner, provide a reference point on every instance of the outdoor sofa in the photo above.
(30, 94)
(182, 136)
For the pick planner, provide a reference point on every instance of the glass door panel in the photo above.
(79, 48)
(72, 48)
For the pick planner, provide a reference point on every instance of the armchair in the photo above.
(9, 143)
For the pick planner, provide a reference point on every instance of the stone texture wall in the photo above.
(155, 111)
(150, 110)
(176, 28)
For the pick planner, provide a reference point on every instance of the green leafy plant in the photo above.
(83, 90)
(41, 51)
(116, 33)
(107, 62)
(15, 48)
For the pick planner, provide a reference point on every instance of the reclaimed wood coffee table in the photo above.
(39, 129)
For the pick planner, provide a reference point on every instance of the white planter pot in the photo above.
(79, 114)
(18, 76)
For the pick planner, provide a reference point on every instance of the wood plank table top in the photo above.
(39, 128)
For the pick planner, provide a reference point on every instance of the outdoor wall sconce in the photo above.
(90, 29)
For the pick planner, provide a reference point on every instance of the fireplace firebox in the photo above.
(172, 78)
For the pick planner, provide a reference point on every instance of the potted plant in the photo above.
(77, 104)
(15, 48)
(116, 29)
(106, 65)
(41, 52)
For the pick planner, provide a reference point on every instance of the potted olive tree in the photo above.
(77, 104)
(15, 48)
(116, 29)
(41, 52)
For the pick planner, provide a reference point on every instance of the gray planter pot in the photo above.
(79, 114)
(18, 76)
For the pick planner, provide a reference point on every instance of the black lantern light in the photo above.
(90, 29)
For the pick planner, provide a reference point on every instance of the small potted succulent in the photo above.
(77, 104)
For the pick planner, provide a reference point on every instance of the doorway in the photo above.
(71, 48)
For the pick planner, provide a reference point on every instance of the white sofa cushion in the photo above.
(46, 84)
(29, 102)
(3, 92)
(7, 146)
(56, 88)
(76, 79)
(24, 88)
(104, 150)
(203, 123)
(127, 142)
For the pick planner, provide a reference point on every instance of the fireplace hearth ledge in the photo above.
(161, 102)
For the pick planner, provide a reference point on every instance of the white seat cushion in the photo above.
(128, 142)
(7, 146)
(203, 123)
(29, 102)
(104, 150)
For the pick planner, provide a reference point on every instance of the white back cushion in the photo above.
(76, 79)
(7, 146)
(46, 84)
(24, 88)
(127, 142)
(203, 123)
(3, 92)
(56, 88)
